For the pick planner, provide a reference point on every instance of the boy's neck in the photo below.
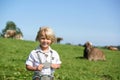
(44, 49)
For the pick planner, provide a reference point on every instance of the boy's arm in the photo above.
(37, 68)
(55, 66)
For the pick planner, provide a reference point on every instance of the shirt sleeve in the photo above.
(30, 59)
(56, 58)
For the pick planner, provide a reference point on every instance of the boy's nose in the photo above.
(45, 40)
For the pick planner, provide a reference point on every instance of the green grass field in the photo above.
(13, 54)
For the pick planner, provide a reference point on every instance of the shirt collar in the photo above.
(39, 49)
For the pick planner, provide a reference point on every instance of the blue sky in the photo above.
(77, 21)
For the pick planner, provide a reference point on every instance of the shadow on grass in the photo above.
(106, 77)
(80, 57)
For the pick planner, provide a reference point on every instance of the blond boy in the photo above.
(44, 60)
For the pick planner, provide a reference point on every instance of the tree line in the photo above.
(11, 31)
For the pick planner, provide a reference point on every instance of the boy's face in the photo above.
(45, 42)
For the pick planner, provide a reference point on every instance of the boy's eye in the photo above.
(45, 38)
(42, 38)
(48, 39)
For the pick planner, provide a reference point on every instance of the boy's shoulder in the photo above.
(54, 51)
(34, 51)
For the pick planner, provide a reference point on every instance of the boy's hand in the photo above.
(55, 66)
(40, 66)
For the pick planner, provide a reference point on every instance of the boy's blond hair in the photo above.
(47, 32)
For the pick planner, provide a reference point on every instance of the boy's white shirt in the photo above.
(33, 59)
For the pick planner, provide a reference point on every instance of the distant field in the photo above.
(13, 54)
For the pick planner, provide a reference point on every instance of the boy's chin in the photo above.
(45, 46)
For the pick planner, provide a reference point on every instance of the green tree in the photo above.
(10, 25)
(19, 31)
